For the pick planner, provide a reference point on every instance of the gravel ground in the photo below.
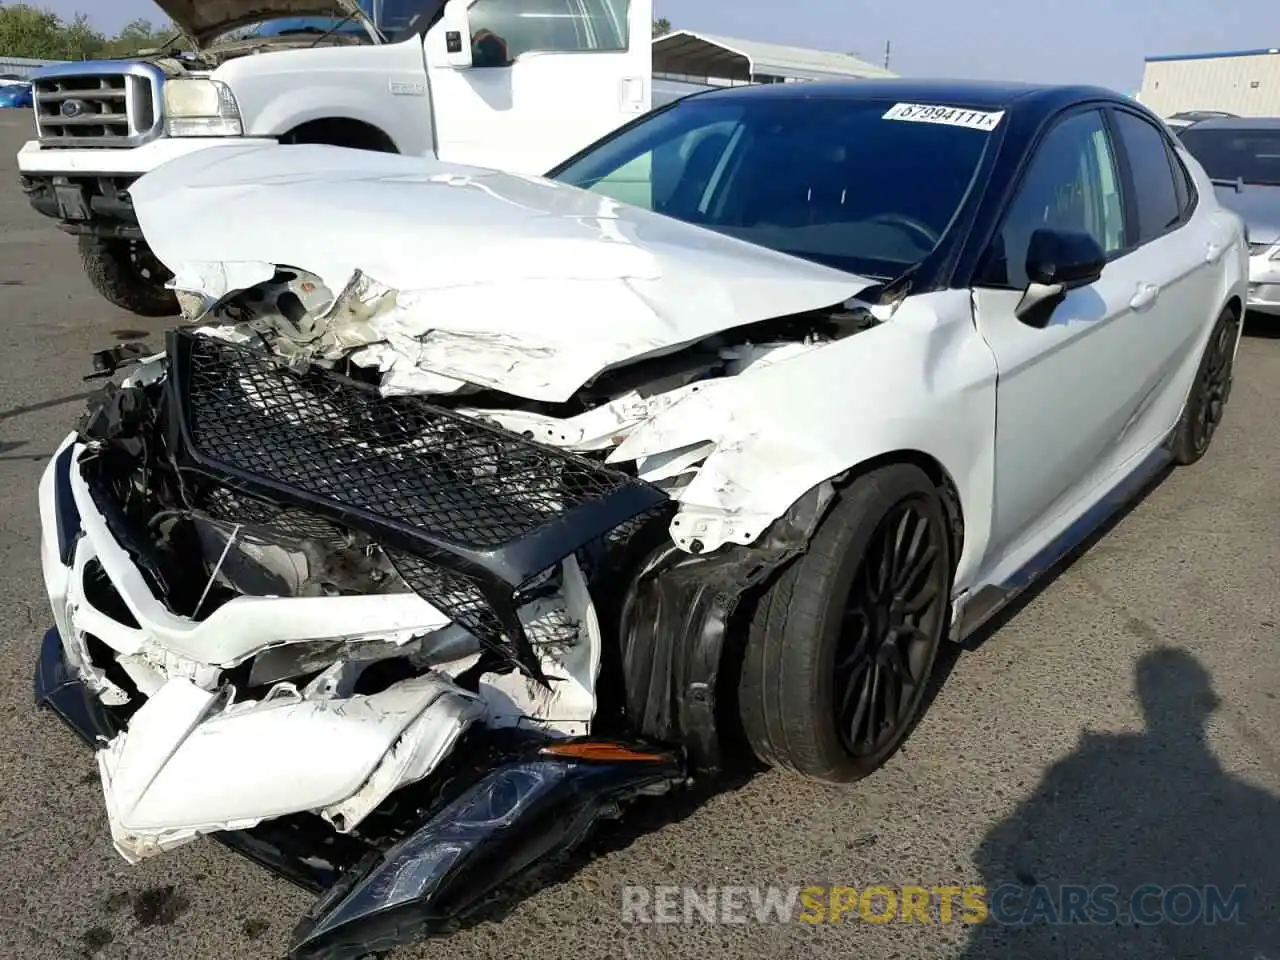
(1121, 727)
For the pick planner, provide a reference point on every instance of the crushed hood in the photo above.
(501, 280)
(205, 19)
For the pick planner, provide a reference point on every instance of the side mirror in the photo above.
(456, 23)
(1057, 261)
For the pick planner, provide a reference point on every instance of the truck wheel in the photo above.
(128, 274)
(841, 645)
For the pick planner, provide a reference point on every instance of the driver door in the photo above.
(1066, 393)
(548, 77)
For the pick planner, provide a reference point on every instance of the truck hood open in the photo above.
(508, 281)
(203, 20)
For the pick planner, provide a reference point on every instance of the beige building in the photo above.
(1244, 82)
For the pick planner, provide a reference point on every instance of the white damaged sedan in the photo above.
(469, 506)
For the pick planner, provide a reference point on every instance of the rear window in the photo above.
(1240, 153)
(863, 186)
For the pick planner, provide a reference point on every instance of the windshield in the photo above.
(393, 16)
(302, 26)
(1243, 153)
(832, 181)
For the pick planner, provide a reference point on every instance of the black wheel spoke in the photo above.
(918, 589)
(873, 705)
(859, 634)
(895, 616)
(882, 582)
(892, 694)
(860, 712)
(913, 556)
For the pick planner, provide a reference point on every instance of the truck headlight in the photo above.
(196, 107)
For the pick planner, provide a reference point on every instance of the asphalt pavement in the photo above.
(1121, 727)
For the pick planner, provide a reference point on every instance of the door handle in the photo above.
(1214, 251)
(1145, 297)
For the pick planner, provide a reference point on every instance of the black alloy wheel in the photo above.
(841, 645)
(1210, 391)
(895, 608)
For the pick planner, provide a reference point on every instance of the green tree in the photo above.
(26, 31)
(139, 36)
(661, 27)
(80, 41)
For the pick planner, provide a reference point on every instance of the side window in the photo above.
(1182, 184)
(502, 30)
(1071, 184)
(1154, 192)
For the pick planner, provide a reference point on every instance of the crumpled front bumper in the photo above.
(182, 759)
(287, 847)
(537, 801)
(515, 799)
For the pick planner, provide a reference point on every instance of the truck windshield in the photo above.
(1251, 154)
(286, 26)
(829, 180)
(394, 16)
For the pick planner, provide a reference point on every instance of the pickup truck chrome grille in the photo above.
(86, 105)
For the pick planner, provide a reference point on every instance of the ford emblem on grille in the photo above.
(74, 108)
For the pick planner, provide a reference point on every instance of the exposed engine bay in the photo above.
(298, 563)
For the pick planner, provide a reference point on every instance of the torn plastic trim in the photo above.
(674, 622)
(529, 812)
(302, 849)
(193, 762)
(239, 628)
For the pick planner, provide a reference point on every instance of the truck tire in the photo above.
(127, 273)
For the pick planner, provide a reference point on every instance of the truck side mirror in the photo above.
(456, 23)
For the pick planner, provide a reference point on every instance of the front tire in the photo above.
(841, 645)
(128, 274)
(1209, 392)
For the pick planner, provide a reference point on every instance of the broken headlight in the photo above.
(412, 871)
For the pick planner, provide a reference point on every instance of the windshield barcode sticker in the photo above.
(951, 116)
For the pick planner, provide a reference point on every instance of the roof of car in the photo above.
(1237, 123)
(976, 94)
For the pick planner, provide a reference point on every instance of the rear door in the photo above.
(548, 78)
(1178, 247)
(1067, 392)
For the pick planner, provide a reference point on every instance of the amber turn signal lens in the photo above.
(596, 750)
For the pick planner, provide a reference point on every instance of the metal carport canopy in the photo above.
(686, 53)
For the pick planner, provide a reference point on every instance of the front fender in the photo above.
(922, 382)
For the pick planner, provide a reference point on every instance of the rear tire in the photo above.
(1209, 392)
(128, 274)
(841, 646)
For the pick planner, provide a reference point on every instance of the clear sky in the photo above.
(1092, 41)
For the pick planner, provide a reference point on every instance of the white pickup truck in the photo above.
(514, 84)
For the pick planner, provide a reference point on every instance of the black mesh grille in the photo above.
(459, 597)
(467, 512)
(225, 504)
(401, 458)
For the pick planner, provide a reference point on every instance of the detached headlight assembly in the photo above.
(197, 107)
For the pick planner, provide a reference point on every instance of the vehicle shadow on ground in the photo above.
(1169, 854)
(949, 656)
